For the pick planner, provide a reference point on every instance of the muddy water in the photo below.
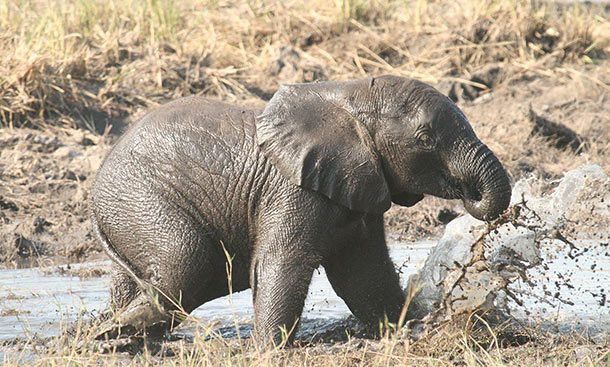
(38, 302)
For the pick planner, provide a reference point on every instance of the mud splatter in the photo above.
(542, 262)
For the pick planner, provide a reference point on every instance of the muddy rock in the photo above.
(524, 266)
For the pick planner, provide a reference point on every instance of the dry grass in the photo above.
(72, 62)
(462, 343)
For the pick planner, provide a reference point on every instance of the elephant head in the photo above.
(369, 142)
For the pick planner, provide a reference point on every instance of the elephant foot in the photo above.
(142, 317)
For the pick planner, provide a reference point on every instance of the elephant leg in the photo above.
(174, 276)
(142, 314)
(132, 311)
(363, 275)
(137, 308)
(280, 282)
(123, 289)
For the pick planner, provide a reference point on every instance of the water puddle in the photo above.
(39, 301)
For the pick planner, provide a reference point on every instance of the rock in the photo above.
(522, 266)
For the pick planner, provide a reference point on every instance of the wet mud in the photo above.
(55, 297)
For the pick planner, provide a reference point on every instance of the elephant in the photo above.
(197, 187)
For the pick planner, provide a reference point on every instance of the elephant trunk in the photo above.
(486, 189)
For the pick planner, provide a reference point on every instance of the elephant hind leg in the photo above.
(133, 311)
(170, 258)
(123, 289)
(147, 312)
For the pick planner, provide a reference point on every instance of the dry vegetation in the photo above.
(87, 63)
(468, 341)
(74, 73)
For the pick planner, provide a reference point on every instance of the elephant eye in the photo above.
(425, 140)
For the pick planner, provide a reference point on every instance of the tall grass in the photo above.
(58, 29)
(121, 55)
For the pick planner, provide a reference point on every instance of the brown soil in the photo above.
(43, 200)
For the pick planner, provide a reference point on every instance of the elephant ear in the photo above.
(307, 132)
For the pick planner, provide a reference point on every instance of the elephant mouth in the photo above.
(407, 198)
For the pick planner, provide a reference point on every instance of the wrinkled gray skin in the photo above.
(301, 184)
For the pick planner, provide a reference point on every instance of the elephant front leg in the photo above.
(363, 275)
(280, 282)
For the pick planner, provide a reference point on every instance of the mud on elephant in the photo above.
(303, 183)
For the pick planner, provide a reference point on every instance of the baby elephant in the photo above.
(199, 187)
